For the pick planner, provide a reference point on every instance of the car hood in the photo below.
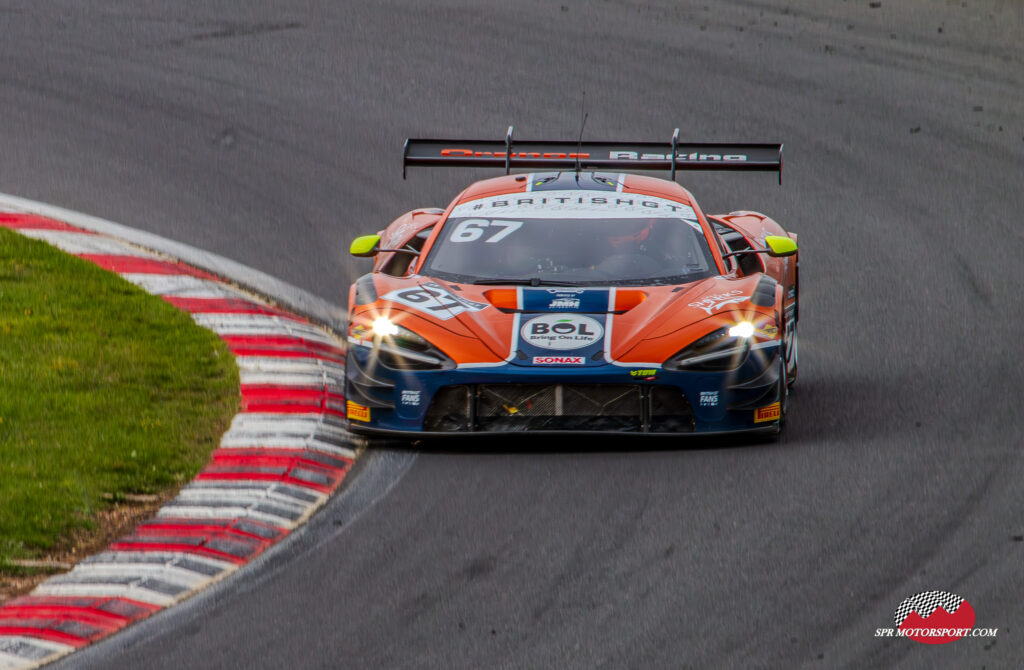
(577, 326)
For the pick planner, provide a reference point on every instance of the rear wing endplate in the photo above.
(570, 155)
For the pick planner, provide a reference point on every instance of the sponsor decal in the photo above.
(558, 360)
(635, 155)
(709, 399)
(643, 374)
(433, 299)
(561, 331)
(411, 398)
(770, 331)
(713, 303)
(470, 153)
(454, 152)
(359, 331)
(935, 617)
(357, 412)
(565, 300)
(561, 204)
(770, 413)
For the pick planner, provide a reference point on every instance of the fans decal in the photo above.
(935, 617)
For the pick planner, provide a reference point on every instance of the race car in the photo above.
(575, 296)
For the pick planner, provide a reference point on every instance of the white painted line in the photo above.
(246, 442)
(216, 504)
(50, 588)
(275, 438)
(220, 321)
(193, 563)
(255, 433)
(85, 243)
(114, 574)
(308, 423)
(8, 662)
(22, 651)
(200, 511)
(275, 504)
(283, 331)
(300, 495)
(290, 365)
(182, 286)
(275, 379)
(264, 324)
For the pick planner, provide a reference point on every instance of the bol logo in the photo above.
(561, 331)
(934, 617)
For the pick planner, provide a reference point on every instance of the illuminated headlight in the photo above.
(723, 349)
(383, 327)
(743, 329)
(400, 348)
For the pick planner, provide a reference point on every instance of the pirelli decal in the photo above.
(357, 412)
(770, 413)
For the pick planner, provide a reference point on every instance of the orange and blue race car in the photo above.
(575, 297)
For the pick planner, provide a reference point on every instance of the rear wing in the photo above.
(569, 155)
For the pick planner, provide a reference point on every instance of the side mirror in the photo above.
(365, 246)
(779, 245)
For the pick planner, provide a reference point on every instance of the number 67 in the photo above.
(471, 230)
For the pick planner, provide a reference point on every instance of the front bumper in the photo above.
(605, 399)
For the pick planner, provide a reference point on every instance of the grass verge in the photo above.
(105, 392)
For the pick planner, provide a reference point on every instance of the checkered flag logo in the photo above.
(925, 603)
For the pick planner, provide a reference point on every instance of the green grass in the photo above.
(104, 389)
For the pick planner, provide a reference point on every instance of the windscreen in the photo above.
(575, 237)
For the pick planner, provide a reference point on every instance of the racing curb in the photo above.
(285, 453)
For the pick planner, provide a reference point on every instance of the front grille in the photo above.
(628, 408)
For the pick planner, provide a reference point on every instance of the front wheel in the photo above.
(790, 345)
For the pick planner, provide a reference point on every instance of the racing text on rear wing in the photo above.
(568, 155)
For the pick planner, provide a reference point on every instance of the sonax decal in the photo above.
(558, 360)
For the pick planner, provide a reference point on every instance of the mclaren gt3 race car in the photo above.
(575, 297)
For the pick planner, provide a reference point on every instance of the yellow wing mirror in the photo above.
(779, 245)
(365, 246)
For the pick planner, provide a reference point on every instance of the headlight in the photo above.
(723, 349)
(716, 351)
(399, 348)
(742, 329)
(382, 326)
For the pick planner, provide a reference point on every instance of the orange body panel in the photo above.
(650, 328)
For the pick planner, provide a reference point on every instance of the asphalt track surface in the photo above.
(270, 132)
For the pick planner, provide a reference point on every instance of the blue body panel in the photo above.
(716, 403)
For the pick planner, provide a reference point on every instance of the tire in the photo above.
(784, 384)
(782, 396)
(790, 343)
